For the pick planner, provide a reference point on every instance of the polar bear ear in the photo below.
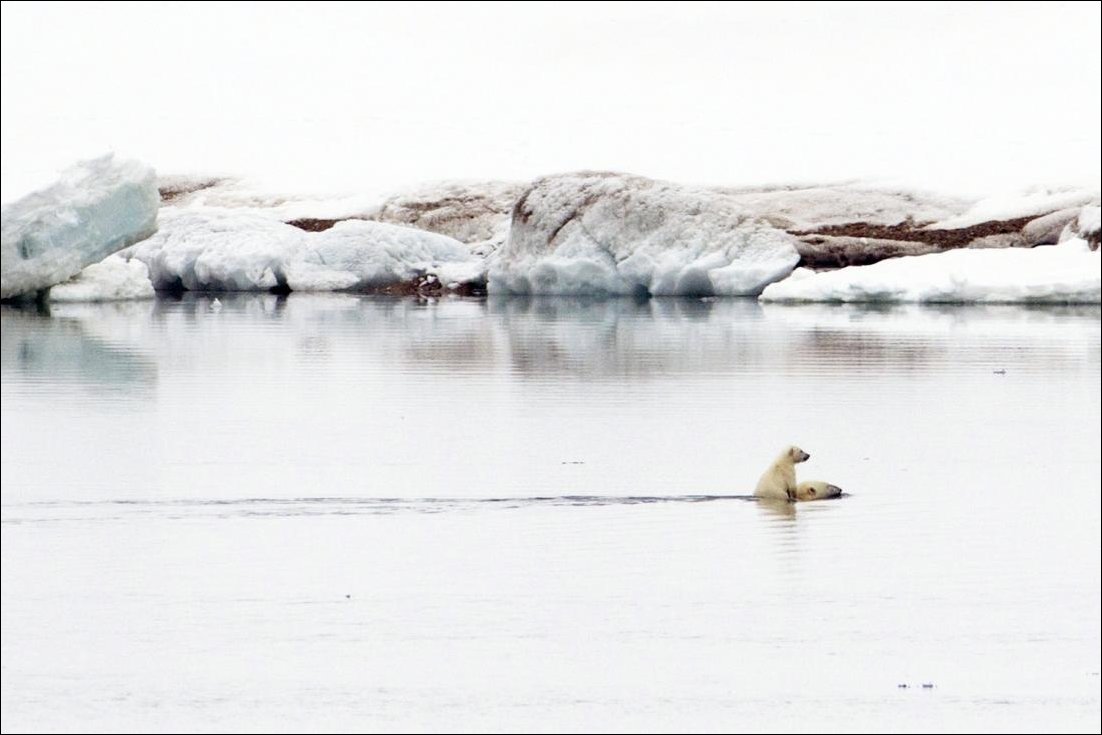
(811, 491)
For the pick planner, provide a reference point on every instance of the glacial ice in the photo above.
(112, 279)
(96, 208)
(612, 234)
(226, 250)
(1066, 273)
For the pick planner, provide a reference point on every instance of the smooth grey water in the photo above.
(341, 513)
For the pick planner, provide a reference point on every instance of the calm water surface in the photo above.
(340, 513)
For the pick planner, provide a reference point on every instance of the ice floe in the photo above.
(96, 208)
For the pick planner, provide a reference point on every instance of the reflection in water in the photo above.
(592, 339)
(778, 509)
(44, 348)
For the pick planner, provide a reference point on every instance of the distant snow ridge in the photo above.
(612, 234)
(96, 208)
(226, 250)
(1066, 273)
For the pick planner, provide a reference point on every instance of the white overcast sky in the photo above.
(373, 96)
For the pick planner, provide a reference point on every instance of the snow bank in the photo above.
(1065, 273)
(613, 234)
(217, 250)
(96, 208)
(112, 279)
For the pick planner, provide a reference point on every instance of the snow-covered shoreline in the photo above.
(583, 234)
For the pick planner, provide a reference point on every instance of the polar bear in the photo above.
(817, 490)
(779, 481)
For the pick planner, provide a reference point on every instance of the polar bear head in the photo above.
(797, 455)
(817, 490)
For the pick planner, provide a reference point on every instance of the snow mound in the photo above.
(1065, 273)
(218, 250)
(112, 279)
(357, 255)
(613, 234)
(96, 208)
